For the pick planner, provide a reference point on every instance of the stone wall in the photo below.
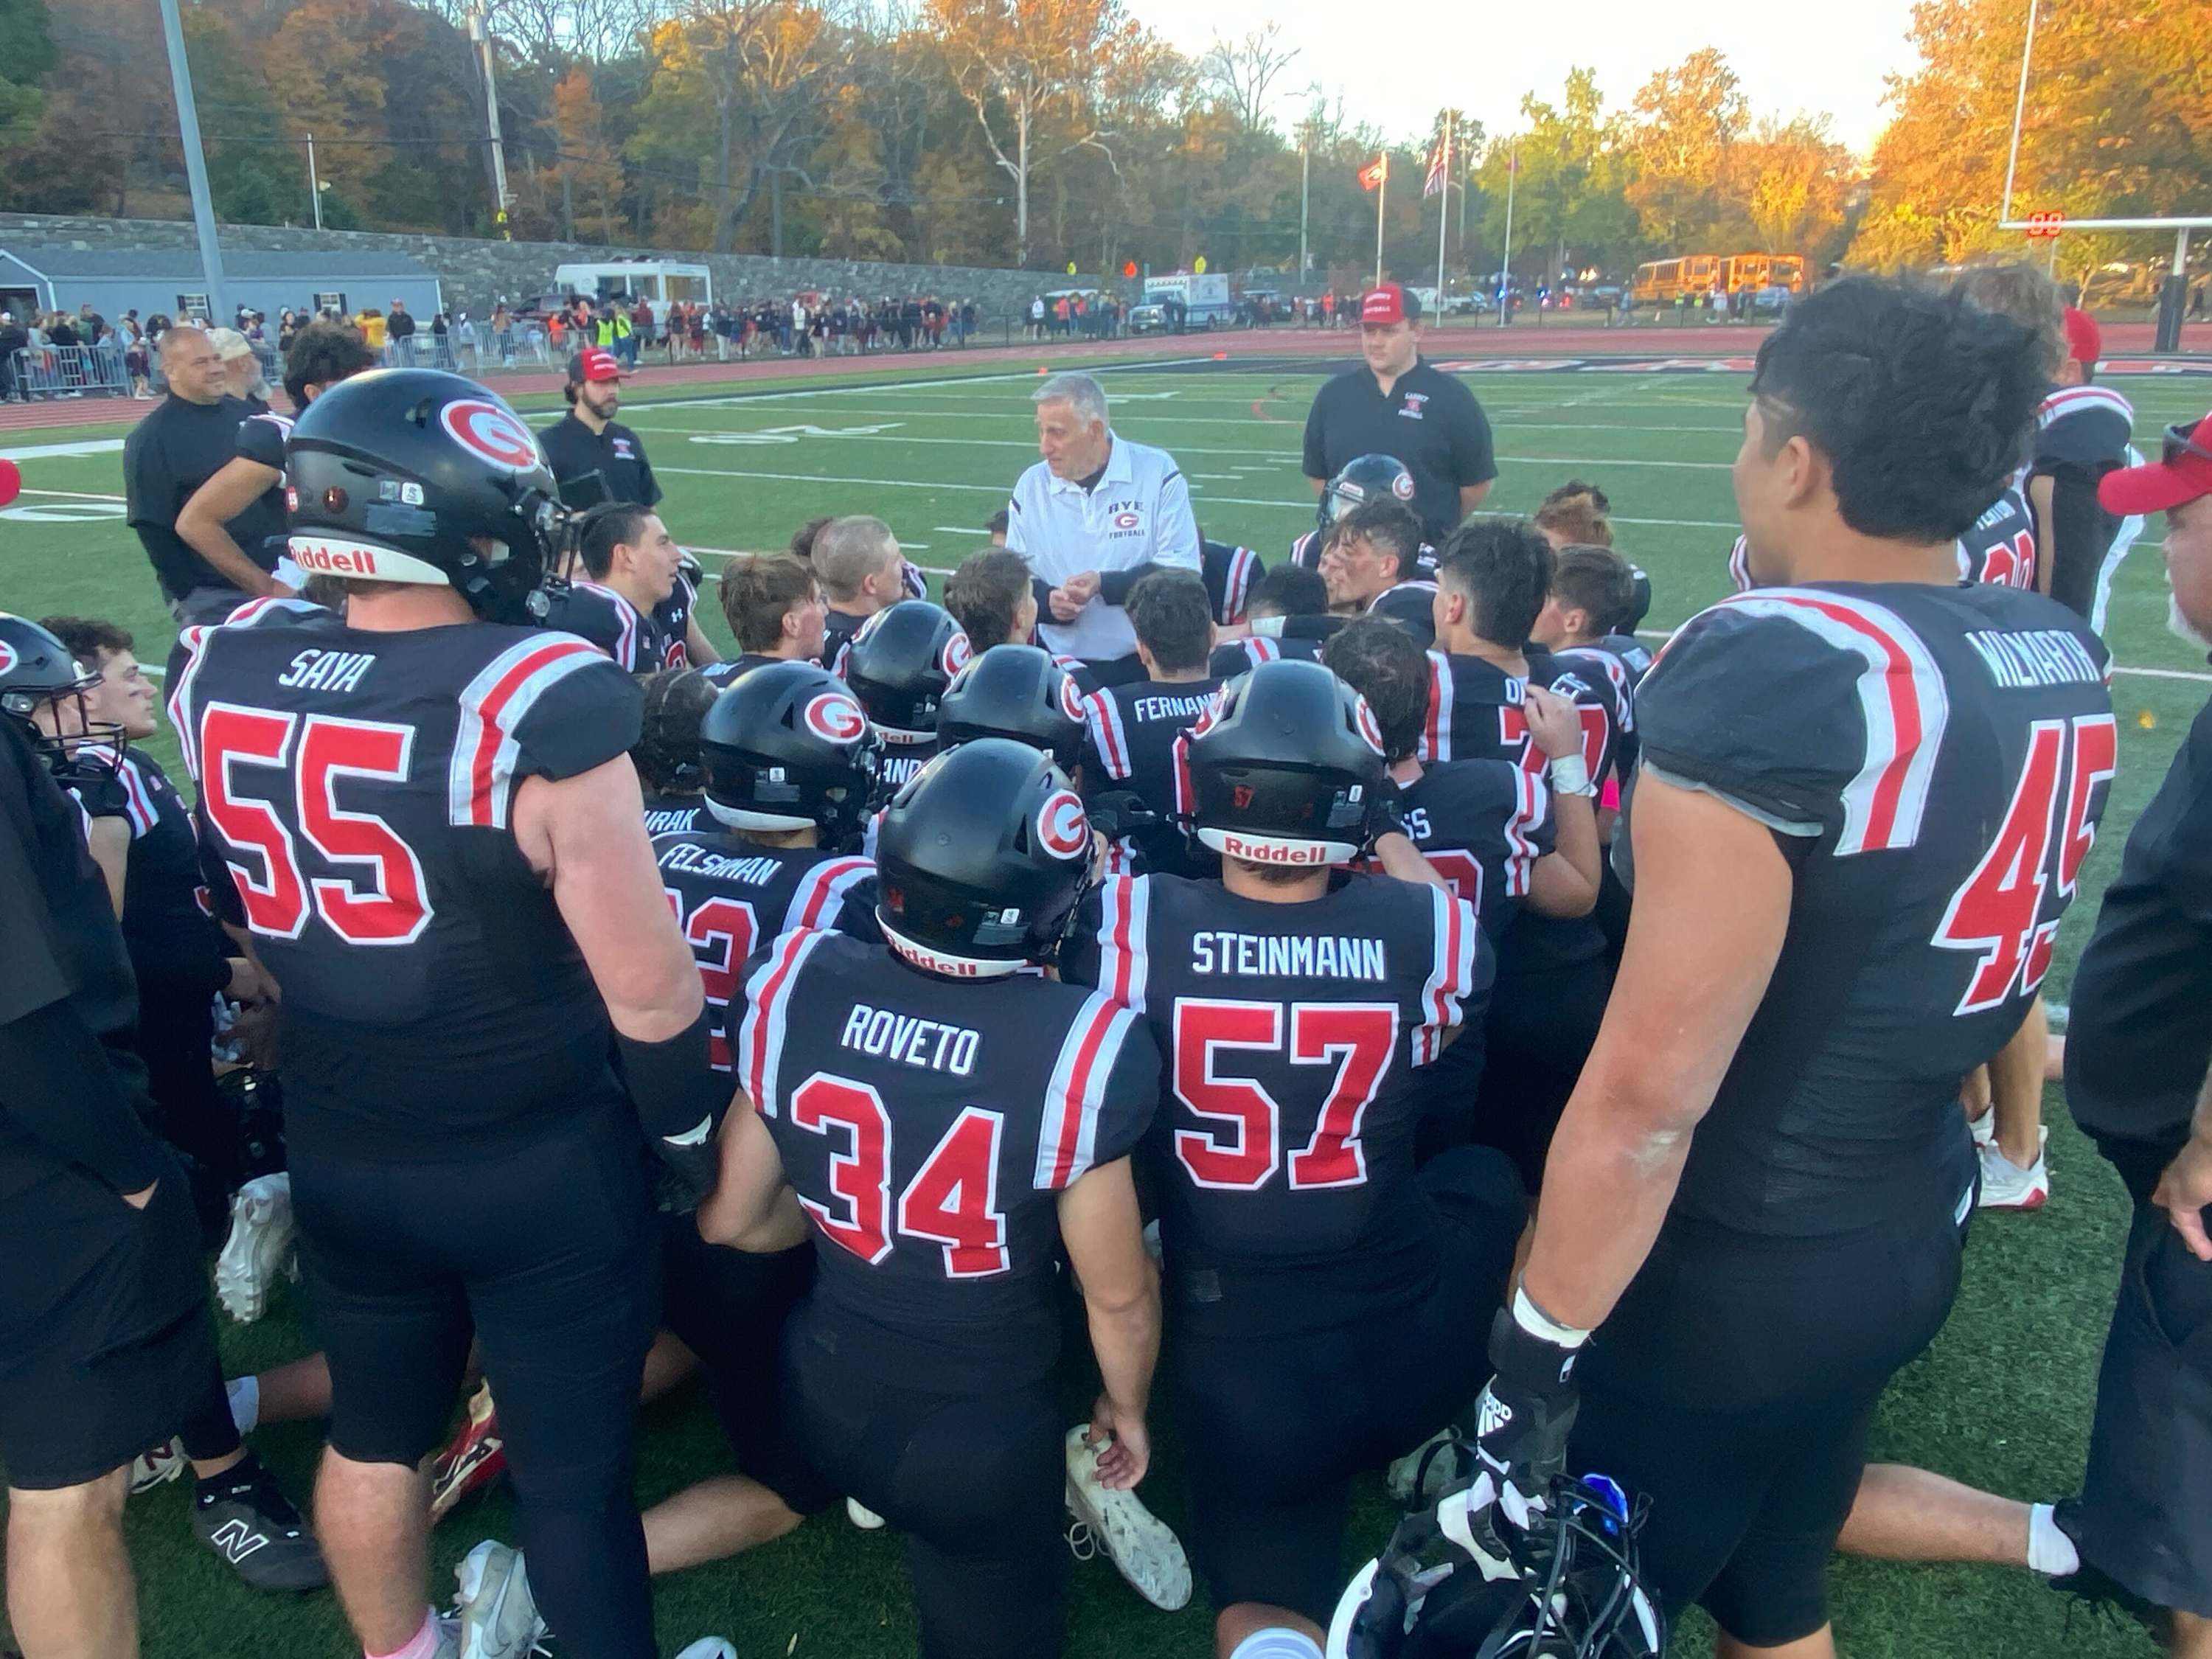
(476, 273)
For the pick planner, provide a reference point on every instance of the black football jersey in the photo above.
(1621, 664)
(1129, 734)
(1475, 709)
(731, 897)
(1242, 656)
(2000, 546)
(672, 617)
(166, 921)
(1289, 1034)
(1933, 761)
(1230, 573)
(669, 815)
(728, 672)
(838, 627)
(928, 1127)
(897, 762)
(358, 786)
(1483, 825)
(632, 638)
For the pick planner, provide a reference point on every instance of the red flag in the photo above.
(1375, 171)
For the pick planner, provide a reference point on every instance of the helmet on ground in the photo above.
(1014, 691)
(1286, 770)
(1365, 478)
(787, 747)
(899, 664)
(397, 476)
(1459, 1581)
(980, 859)
(37, 672)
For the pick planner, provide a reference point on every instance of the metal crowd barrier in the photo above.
(78, 370)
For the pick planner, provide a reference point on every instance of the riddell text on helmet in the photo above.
(1272, 852)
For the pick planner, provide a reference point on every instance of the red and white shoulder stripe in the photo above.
(1124, 957)
(194, 642)
(627, 623)
(1238, 590)
(2075, 400)
(769, 994)
(1740, 564)
(480, 782)
(1067, 1135)
(821, 892)
(1532, 804)
(1435, 743)
(1451, 973)
(1102, 716)
(1901, 695)
(138, 798)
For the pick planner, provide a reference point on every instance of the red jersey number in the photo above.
(721, 932)
(952, 1200)
(1243, 1152)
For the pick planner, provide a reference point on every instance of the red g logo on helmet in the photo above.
(1402, 486)
(835, 718)
(956, 655)
(6, 658)
(1062, 829)
(1363, 719)
(489, 433)
(1071, 700)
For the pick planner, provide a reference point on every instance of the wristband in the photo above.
(1570, 775)
(1267, 628)
(1527, 1360)
(677, 1093)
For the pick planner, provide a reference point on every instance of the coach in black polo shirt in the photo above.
(1399, 404)
(595, 457)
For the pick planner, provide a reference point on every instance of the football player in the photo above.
(862, 571)
(627, 565)
(1287, 591)
(947, 1125)
(1362, 479)
(1576, 512)
(1230, 573)
(1130, 730)
(433, 829)
(898, 667)
(1369, 567)
(666, 753)
(1325, 1296)
(775, 611)
(992, 597)
(1866, 794)
(1018, 692)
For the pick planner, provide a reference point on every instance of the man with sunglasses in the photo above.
(2139, 1080)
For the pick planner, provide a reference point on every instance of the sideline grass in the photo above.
(2002, 1400)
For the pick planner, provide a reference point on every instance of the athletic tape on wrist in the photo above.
(1570, 775)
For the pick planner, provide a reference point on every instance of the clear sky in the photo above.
(1481, 58)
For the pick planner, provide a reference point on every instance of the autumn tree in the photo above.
(1243, 74)
(1688, 119)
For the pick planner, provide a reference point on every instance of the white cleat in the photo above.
(1143, 1548)
(499, 1616)
(709, 1647)
(258, 1248)
(1418, 1479)
(151, 1468)
(2006, 1186)
(862, 1516)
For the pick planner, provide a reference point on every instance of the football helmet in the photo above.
(1364, 478)
(787, 747)
(980, 859)
(1640, 606)
(1014, 691)
(397, 474)
(899, 664)
(37, 672)
(1286, 769)
(1458, 1581)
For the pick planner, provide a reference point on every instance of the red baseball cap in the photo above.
(2182, 472)
(2085, 341)
(594, 363)
(1389, 303)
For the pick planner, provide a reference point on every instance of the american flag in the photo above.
(1438, 163)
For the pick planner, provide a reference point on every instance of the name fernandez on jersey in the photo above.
(1330, 955)
(928, 1045)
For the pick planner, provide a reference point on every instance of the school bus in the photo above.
(1756, 271)
(1661, 282)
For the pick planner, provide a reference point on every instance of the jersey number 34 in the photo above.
(2047, 832)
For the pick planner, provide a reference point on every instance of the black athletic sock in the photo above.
(248, 1480)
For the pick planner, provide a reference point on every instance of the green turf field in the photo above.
(2001, 1400)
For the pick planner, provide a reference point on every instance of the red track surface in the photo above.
(1523, 343)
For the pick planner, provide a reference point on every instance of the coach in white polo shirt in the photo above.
(1090, 517)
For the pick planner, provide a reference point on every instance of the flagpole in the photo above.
(1444, 210)
(1505, 268)
(1382, 196)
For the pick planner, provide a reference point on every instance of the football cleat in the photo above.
(260, 1247)
(149, 1469)
(499, 1615)
(862, 1516)
(1143, 1548)
(709, 1647)
(2006, 1186)
(472, 1459)
(255, 1529)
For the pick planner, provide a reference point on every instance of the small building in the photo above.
(169, 281)
(661, 281)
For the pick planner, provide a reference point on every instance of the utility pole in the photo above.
(1382, 199)
(1305, 180)
(188, 130)
(1505, 258)
(1443, 209)
(482, 36)
(314, 185)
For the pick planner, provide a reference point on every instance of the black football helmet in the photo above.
(980, 859)
(899, 664)
(1014, 691)
(394, 475)
(37, 672)
(786, 746)
(1457, 1582)
(1287, 768)
(1364, 478)
(1640, 606)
